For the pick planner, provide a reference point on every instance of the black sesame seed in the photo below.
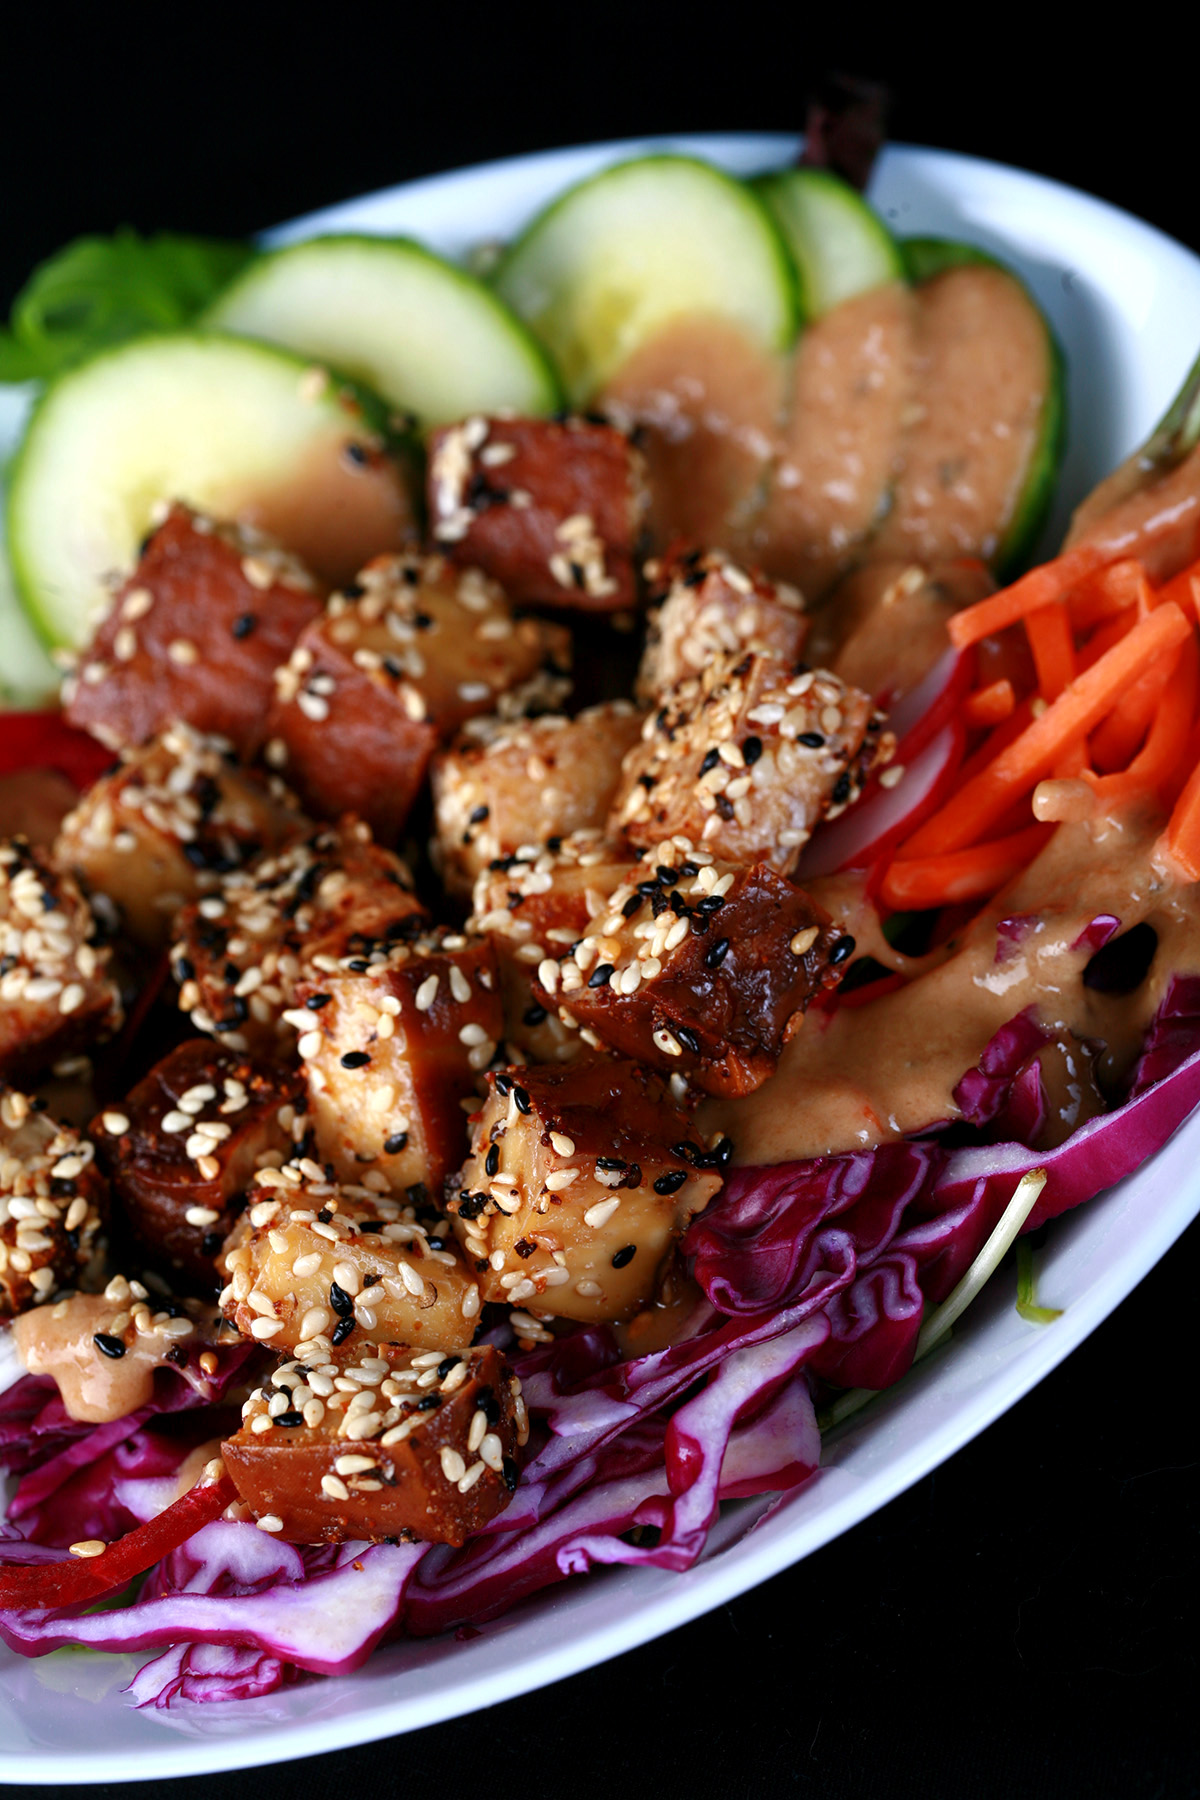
(324, 1215)
(716, 953)
(671, 1181)
(444, 1367)
(524, 1248)
(688, 1039)
(812, 740)
(512, 1474)
(600, 975)
(289, 1418)
(185, 969)
(752, 749)
(610, 1163)
(491, 1161)
(724, 808)
(355, 1059)
(210, 1243)
(632, 905)
(396, 1143)
(111, 1346)
(354, 590)
(685, 1150)
(533, 1015)
(504, 1084)
(428, 1403)
(843, 949)
(666, 875)
(523, 1103)
(369, 1227)
(477, 815)
(244, 624)
(315, 1002)
(417, 1194)
(841, 789)
(624, 1256)
(711, 759)
(177, 1355)
(340, 1301)
(341, 1331)
(356, 454)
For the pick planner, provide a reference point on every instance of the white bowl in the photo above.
(1125, 302)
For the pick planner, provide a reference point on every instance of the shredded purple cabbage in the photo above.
(814, 1272)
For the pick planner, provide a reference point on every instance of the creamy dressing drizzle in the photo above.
(59, 1339)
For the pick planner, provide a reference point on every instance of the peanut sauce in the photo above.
(59, 1339)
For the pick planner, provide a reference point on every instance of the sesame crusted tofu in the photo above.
(293, 914)
(195, 633)
(393, 668)
(505, 784)
(695, 968)
(553, 509)
(394, 1443)
(56, 993)
(310, 1263)
(182, 1148)
(578, 1183)
(392, 1046)
(174, 817)
(533, 904)
(748, 758)
(709, 607)
(53, 1201)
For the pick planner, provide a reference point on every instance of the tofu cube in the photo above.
(748, 758)
(708, 607)
(312, 1263)
(57, 995)
(697, 968)
(53, 1203)
(533, 905)
(183, 1147)
(552, 509)
(407, 1443)
(292, 915)
(393, 669)
(503, 784)
(195, 633)
(578, 1185)
(167, 824)
(392, 1046)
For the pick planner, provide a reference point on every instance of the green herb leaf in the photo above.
(99, 291)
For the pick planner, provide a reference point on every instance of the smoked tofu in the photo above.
(395, 1443)
(310, 1264)
(552, 509)
(56, 993)
(394, 668)
(169, 822)
(579, 1182)
(392, 1046)
(708, 607)
(747, 758)
(289, 916)
(53, 1202)
(195, 633)
(533, 904)
(505, 785)
(698, 969)
(183, 1147)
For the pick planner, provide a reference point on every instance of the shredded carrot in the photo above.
(1153, 769)
(1181, 839)
(1117, 739)
(1049, 633)
(973, 874)
(1041, 587)
(1105, 636)
(1183, 589)
(1110, 590)
(977, 805)
(990, 705)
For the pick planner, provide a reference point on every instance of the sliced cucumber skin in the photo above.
(925, 257)
(840, 245)
(421, 372)
(533, 275)
(45, 505)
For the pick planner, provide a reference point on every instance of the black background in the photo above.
(1023, 1622)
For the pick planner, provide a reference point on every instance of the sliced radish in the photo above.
(890, 814)
(921, 713)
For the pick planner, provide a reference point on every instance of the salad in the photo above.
(661, 1347)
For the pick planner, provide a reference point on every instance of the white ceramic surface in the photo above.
(1125, 302)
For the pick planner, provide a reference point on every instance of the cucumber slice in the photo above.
(427, 336)
(926, 257)
(618, 256)
(27, 676)
(233, 427)
(841, 245)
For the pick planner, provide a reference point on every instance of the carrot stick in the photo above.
(918, 883)
(1105, 636)
(1117, 739)
(1181, 839)
(1110, 590)
(1159, 759)
(976, 807)
(990, 705)
(1183, 589)
(1049, 634)
(1041, 587)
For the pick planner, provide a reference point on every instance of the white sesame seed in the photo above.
(333, 1488)
(453, 1466)
(471, 1477)
(601, 1213)
(201, 1215)
(564, 1145)
(89, 1547)
(265, 1328)
(558, 1179)
(183, 652)
(804, 940)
